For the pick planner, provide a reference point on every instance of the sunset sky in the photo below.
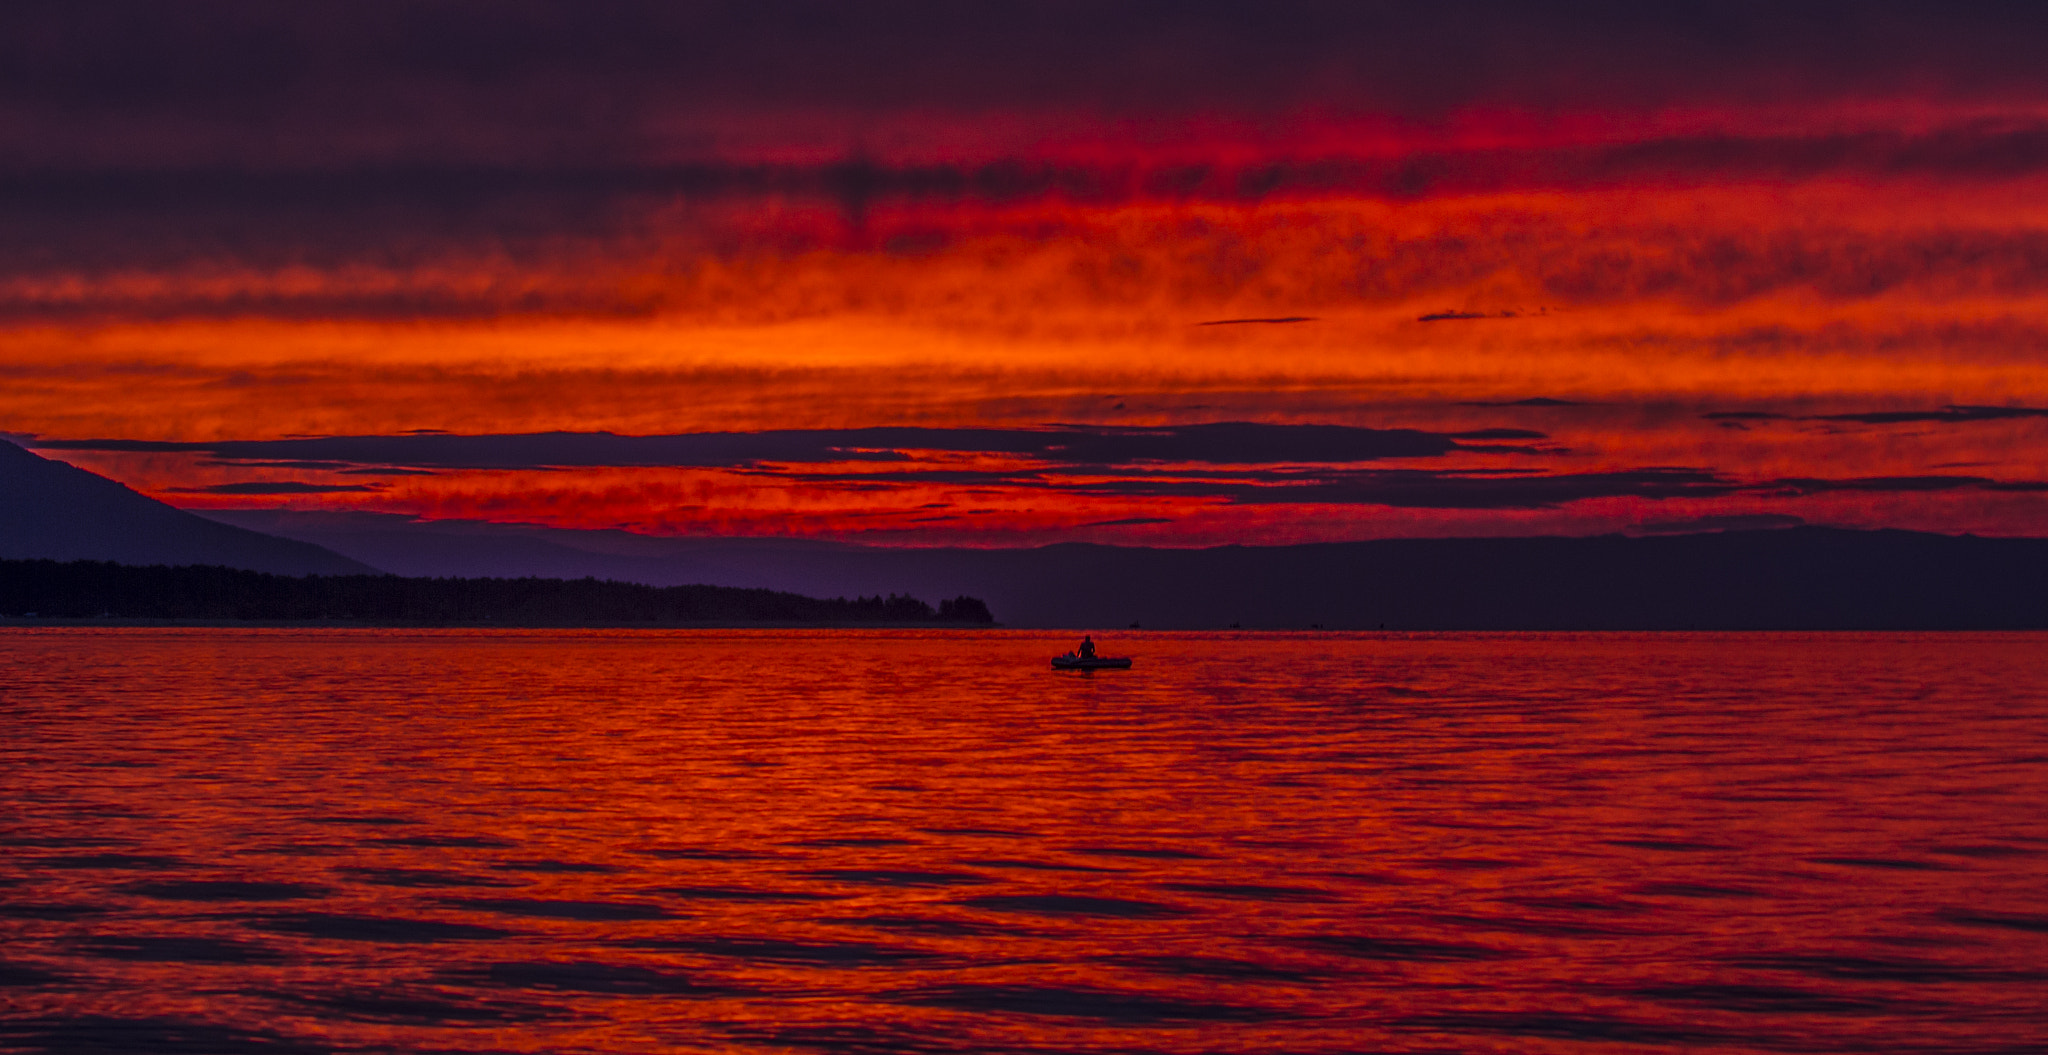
(1004, 274)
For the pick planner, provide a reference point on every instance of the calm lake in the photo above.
(280, 841)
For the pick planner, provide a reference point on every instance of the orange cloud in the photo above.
(1651, 272)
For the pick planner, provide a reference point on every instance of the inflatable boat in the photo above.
(1071, 661)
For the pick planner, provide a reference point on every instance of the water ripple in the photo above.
(221, 842)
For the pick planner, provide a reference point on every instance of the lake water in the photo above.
(479, 841)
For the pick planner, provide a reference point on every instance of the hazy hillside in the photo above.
(88, 589)
(1793, 578)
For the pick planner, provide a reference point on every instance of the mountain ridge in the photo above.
(1801, 577)
(52, 510)
(46, 590)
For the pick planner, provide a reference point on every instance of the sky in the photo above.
(998, 274)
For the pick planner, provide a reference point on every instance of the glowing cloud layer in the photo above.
(1470, 271)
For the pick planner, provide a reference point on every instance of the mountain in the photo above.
(60, 512)
(1790, 578)
(88, 589)
(402, 545)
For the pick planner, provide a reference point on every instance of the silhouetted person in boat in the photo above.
(1087, 647)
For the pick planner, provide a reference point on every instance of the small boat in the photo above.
(1071, 661)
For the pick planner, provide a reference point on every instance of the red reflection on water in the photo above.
(621, 841)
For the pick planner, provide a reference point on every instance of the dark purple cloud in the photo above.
(1949, 415)
(1234, 462)
(1215, 443)
(1406, 488)
(473, 79)
(343, 468)
(1887, 484)
(281, 487)
(1499, 434)
(1426, 489)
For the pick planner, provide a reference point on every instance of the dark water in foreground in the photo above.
(290, 841)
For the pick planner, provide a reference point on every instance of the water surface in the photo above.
(471, 841)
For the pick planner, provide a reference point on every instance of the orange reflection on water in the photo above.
(837, 841)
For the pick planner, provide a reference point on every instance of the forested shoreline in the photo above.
(46, 589)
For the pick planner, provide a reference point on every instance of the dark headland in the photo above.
(102, 591)
(1792, 579)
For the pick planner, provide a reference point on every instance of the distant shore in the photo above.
(14, 622)
(104, 593)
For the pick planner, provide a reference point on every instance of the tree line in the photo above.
(98, 589)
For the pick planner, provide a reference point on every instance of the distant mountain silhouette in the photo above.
(45, 589)
(1794, 578)
(475, 549)
(60, 512)
(1801, 578)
